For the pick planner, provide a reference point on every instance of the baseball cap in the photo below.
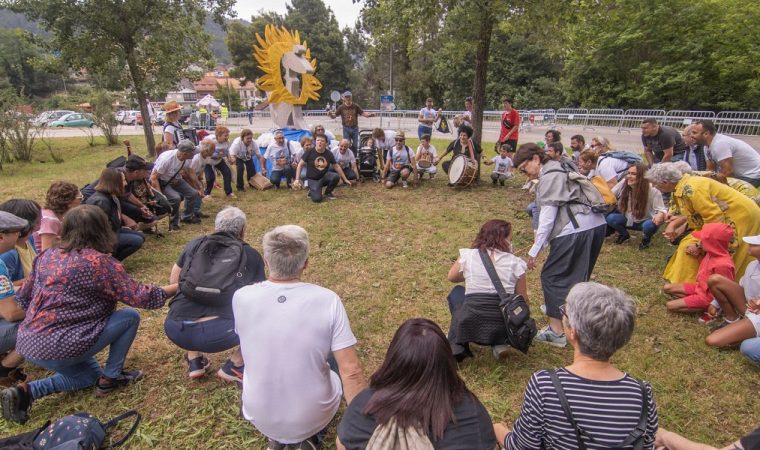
(347, 94)
(752, 240)
(10, 222)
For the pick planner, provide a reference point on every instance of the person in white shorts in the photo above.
(735, 300)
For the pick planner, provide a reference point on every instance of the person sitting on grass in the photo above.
(20, 258)
(399, 163)
(206, 325)
(610, 406)
(416, 396)
(503, 170)
(70, 303)
(11, 314)
(297, 340)
(61, 197)
(713, 245)
(640, 207)
(474, 307)
(736, 300)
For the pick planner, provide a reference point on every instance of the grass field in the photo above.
(386, 253)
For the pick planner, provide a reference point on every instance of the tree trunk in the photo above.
(138, 85)
(481, 69)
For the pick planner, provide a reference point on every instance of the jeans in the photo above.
(618, 222)
(532, 211)
(456, 300)
(330, 179)
(277, 176)
(211, 177)
(129, 241)
(352, 134)
(751, 349)
(244, 165)
(753, 181)
(175, 192)
(209, 336)
(347, 171)
(424, 129)
(8, 335)
(83, 371)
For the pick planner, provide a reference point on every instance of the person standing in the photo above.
(510, 125)
(297, 340)
(427, 118)
(467, 114)
(661, 143)
(172, 133)
(224, 112)
(349, 113)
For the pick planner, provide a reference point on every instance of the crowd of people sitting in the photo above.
(61, 280)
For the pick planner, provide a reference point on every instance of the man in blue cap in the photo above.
(349, 113)
(11, 314)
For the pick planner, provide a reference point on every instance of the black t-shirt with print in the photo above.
(317, 163)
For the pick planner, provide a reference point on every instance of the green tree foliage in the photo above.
(155, 40)
(316, 24)
(21, 62)
(230, 96)
(671, 54)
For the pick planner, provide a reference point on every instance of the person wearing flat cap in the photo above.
(11, 314)
(349, 113)
(172, 133)
(167, 177)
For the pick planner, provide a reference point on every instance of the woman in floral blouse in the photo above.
(70, 303)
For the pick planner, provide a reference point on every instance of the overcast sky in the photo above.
(345, 11)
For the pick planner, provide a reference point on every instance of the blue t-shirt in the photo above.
(6, 285)
(400, 158)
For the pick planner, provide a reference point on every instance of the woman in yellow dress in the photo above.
(696, 201)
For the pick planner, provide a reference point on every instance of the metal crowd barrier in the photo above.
(604, 118)
(738, 122)
(633, 118)
(680, 118)
(571, 116)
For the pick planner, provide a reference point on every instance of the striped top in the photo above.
(606, 410)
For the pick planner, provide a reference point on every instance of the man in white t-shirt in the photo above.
(729, 156)
(427, 118)
(280, 154)
(384, 141)
(345, 158)
(291, 334)
(168, 175)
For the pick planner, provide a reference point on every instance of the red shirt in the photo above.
(512, 119)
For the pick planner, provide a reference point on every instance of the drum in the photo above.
(426, 160)
(462, 171)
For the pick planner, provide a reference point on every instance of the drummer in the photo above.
(400, 163)
(425, 156)
(462, 145)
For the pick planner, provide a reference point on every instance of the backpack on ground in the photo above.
(214, 270)
(629, 157)
(521, 328)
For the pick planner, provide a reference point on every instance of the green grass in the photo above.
(386, 253)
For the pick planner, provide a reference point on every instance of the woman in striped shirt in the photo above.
(607, 405)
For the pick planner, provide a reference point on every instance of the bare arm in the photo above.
(351, 373)
(521, 287)
(649, 156)
(455, 273)
(174, 276)
(298, 170)
(667, 155)
(339, 169)
(726, 167)
(673, 441)
(154, 181)
(710, 165)
(9, 309)
(368, 114)
(169, 139)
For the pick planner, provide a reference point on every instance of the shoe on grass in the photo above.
(230, 372)
(500, 351)
(622, 238)
(197, 367)
(105, 385)
(547, 335)
(15, 402)
(645, 243)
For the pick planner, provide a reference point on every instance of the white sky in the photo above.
(345, 11)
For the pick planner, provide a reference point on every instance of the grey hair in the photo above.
(683, 166)
(230, 220)
(206, 143)
(278, 132)
(666, 172)
(286, 249)
(603, 318)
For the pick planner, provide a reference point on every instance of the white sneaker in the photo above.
(548, 336)
(500, 351)
(404, 184)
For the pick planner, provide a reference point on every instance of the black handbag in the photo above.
(521, 328)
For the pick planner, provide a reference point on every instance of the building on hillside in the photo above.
(190, 92)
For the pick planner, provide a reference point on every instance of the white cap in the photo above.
(752, 240)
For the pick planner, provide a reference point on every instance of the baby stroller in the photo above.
(366, 159)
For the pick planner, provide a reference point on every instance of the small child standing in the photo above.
(714, 239)
(503, 169)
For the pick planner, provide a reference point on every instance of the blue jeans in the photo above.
(175, 192)
(352, 134)
(617, 222)
(277, 176)
(329, 179)
(751, 349)
(424, 129)
(210, 336)
(8, 335)
(129, 241)
(83, 371)
(532, 211)
(211, 177)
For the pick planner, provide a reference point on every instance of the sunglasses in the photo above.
(563, 310)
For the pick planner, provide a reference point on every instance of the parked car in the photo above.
(120, 115)
(130, 117)
(160, 117)
(73, 120)
(48, 116)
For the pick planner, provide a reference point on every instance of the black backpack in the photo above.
(521, 328)
(214, 270)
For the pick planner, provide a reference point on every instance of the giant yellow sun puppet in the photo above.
(288, 78)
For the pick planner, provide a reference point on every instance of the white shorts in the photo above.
(755, 319)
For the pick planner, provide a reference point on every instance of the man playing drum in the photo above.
(425, 156)
(462, 145)
(400, 162)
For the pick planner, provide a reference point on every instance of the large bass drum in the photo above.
(462, 171)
